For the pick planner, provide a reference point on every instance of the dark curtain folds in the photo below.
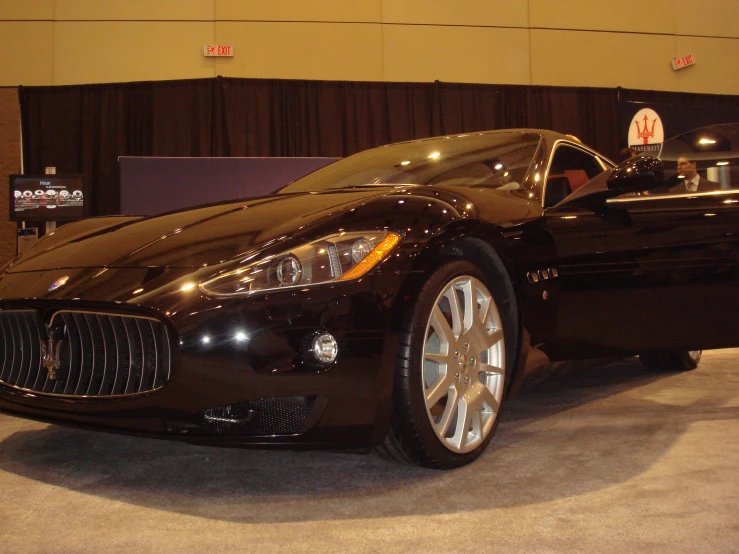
(84, 129)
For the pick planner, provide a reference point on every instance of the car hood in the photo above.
(189, 238)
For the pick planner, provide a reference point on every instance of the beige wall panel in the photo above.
(499, 13)
(711, 18)
(136, 10)
(14, 10)
(330, 51)
(131, 51)
(456, 54)
(27, 53)
(634, 16)
(364, 11)
(590, 59)
(715, 70)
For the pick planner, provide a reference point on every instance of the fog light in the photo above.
(325, 348)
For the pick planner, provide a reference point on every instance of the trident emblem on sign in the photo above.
(646, 133)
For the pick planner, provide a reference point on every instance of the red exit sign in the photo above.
(680, 63)
(218, 50)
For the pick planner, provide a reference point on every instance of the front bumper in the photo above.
(249, 354)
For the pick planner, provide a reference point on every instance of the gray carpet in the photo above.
(589, 457)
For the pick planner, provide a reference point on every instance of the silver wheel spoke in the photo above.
(441, 326)
(449, 412)
(464, 418)
(491, 339)
(440, 359)
(470, 303)
(487, 397)
(477, 424)
(456, 311)
(482, 340)
(491, 369)
(473, 396)
(486, 311)
(438, 389)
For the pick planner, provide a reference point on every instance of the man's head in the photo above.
(686, 167)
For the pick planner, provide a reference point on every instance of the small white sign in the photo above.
(218, 50)
(27, 238)
(682, 63)
(646, 133)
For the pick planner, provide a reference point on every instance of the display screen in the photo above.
(47, 197)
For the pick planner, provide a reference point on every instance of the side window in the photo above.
(689, 176)
(571, 168)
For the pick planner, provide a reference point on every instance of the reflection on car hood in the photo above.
(188, 238)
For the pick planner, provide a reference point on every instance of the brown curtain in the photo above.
(83, 129)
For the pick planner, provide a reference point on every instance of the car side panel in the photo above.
(647, 274)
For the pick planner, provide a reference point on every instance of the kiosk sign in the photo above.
(646, 133)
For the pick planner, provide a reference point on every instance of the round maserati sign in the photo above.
(646, 133)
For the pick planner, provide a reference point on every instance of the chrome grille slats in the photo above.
(101, 354)
(134, 347)
(40, 374)
(156, 356)
(111, 353)
(34, 362)
(7, 350)
(123, 366)
(148, 342)
(74, 349)
(87, 358)
(98, 353)
(17, 350)
(164, 366)
(144, 357)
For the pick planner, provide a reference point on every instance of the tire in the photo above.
(671, 362)
(452, 368)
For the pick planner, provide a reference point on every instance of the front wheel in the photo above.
(452, 369)
(671, 361)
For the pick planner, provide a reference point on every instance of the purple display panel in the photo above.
(151, 186)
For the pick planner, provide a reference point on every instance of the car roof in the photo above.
(545, 133)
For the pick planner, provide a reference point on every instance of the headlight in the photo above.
(338, 257)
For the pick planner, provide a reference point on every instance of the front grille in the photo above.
(83, 353)
(263, 417)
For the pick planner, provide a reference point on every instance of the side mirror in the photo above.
(636, 175)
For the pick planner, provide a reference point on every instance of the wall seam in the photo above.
(382, 39)
(53, 43)
(399, 24)
(531, 53)
(215, 36)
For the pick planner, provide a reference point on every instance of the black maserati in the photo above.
(393, 299)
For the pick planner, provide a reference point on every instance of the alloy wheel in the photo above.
(463, 364)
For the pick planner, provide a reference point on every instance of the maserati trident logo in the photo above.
(59, 282)
(50, 358)
(646, 133)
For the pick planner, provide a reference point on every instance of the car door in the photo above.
(646, 272)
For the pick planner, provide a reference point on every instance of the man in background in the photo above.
(692, 182)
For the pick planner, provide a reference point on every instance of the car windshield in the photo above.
(491, 160)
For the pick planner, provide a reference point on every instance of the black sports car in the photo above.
(395, 298)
